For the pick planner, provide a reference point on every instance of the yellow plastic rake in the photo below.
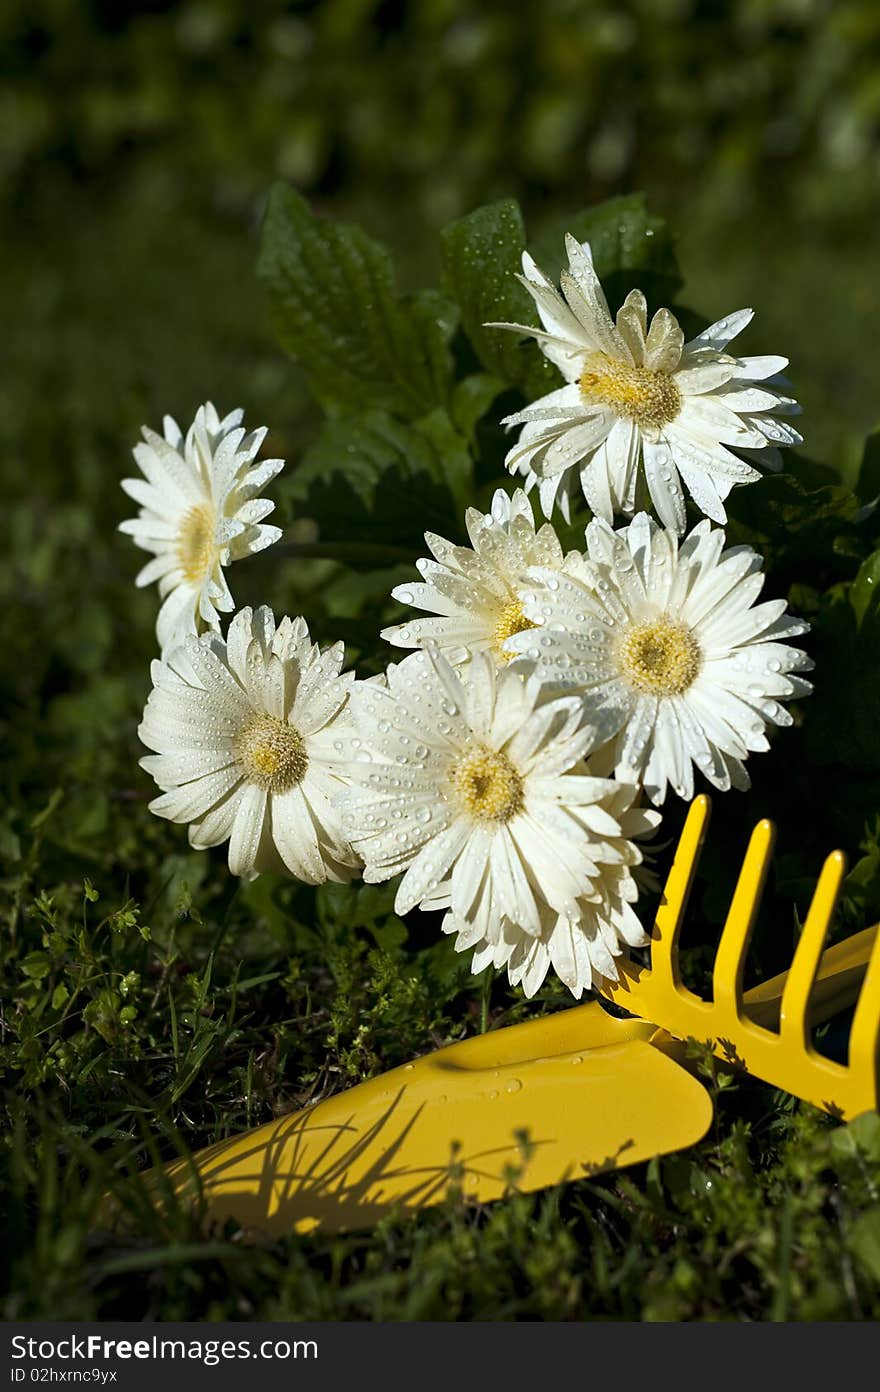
(741, 1028)
(567, 1095)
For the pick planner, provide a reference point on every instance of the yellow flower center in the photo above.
(272, 754)
(195, 542)
(488, 786)
(651, 399)
(511, 619)
(661, 658)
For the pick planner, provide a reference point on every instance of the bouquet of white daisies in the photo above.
(509, 767)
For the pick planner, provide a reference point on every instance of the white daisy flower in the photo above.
(475, 593)
(578, 948)
(247, 735)
(199, 512)
(635, 394)
(478, 791)
(676, 663)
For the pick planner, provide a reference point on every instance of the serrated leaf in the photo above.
(630, 248)
(337, 311)
(482, 256)
(375, 485)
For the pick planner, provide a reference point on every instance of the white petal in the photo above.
(247, 831)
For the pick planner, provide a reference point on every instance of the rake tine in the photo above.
(864, 1038)
(667, 924)
(730, 958)
(794, 1011)
(768, 1032)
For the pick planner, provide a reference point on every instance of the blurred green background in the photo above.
(137, 142)
(137, 145)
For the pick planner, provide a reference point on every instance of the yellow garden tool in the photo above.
(735, 1024)
(567, 1095)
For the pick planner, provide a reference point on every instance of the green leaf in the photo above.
(868, 486)
(337, 311)
(375, 485)
(36, 965)
(389, 935)
(126, 917)
(10, 841)
(471, 400)
(43, 816)
(198, 1051)
(864, 589)
(859, 1137)
(342, 909)
(630, 248)
(451, 451)
(864, 1242)
(862, 884)
(482, 256)
(102, 1013)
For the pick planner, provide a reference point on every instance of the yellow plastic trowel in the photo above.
(567, 1095)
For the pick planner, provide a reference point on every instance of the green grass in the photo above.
(147, 1006)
